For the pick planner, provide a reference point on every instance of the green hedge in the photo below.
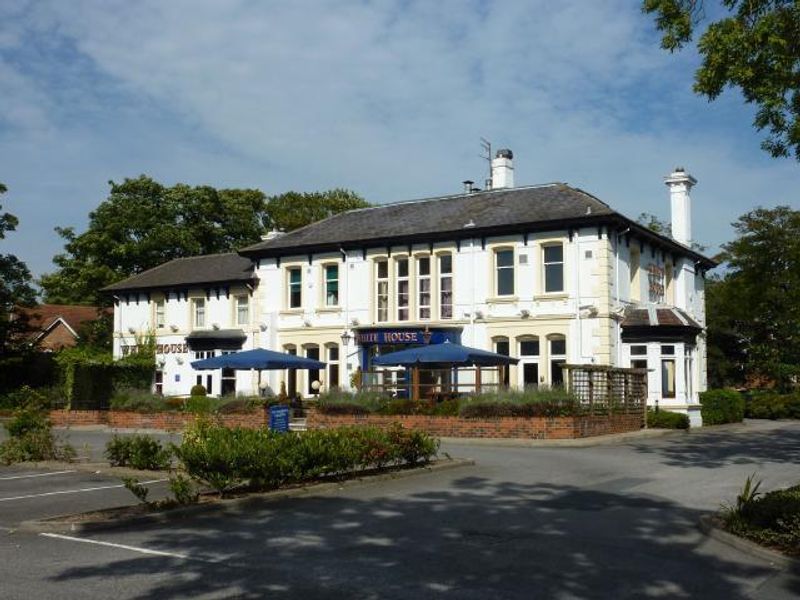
(225, 458)
(138, 452)
(90, 386)
(721, 406)
(664, 419)
(770, 405)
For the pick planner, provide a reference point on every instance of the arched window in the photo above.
(528, 352)
(332, 358)
(502, 346)
(312, 352)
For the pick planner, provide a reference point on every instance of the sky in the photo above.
(389, 98)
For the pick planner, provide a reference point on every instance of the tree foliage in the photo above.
(293, 210)
(15, 288)
(754, 311)
(143, 224)
(755, 48)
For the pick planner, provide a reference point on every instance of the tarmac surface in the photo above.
(615, 520)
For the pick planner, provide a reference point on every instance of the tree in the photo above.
(15, 288)
(143, 224)
(293, 210)
(653, 223)
(754, 311)
(755, 48)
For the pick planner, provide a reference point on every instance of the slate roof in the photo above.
(195, 270)
(658, 316)
(530, 208)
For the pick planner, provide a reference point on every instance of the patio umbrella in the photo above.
(260, 358)
(444, 355)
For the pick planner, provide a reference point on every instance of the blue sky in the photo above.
(388, 98)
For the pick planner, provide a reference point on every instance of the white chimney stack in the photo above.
(680, 184)
(503, 169)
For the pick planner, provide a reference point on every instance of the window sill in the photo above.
(551, 296)
(329, 309)
(290, 311)
(502, 300)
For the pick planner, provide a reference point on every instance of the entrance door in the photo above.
(228, 387)
(530, 375)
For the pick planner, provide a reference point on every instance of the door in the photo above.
(530, 375)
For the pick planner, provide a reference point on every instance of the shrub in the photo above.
(772, 518)
(721, 406)
(770, 405)
(143, 400)
(664, 419)
(31, 437)
(338, 402)
(183, 490)
(198, 390)
(226, 458)
(137, 489)
(138, 452)
(200, 405)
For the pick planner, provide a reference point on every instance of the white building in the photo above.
(545, 273)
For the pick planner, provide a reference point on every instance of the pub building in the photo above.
(548, 274)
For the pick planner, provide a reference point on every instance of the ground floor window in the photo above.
(228, 387)
(207, 385)
(312, 352)
(502, 346)
(159, 383)
(668, 378)
(333, 366)
(558, 357)
(291, 376)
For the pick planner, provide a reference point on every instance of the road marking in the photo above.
(126, 547)
(78, 491)
(37, 475)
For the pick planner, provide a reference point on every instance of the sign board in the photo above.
(279, 418)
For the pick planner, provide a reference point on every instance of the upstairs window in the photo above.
(332, 285)
(382, 290)
(199, 312)
(554, 268)
(424, 287)
(504, 267)
(402, 289)
(160, 314)
(295, 277)
(446, 286)
(242, 310)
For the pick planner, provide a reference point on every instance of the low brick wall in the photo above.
(540, 428)
(169, 421)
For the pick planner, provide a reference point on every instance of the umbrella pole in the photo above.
(415, 383)
(477, 379)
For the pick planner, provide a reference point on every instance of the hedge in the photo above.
(665, 419)
(770, 405)
(89, 386)
(721, 406)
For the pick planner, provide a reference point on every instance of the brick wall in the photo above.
(169, 421)
(542, 428)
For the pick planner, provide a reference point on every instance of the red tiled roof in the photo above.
(41, 317)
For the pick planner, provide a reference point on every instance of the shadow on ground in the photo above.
(478, 539)
(712, 449)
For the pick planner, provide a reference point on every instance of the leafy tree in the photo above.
(15, 288)
(143, 224)
(653, 223)
(726, 347)
(755, 47)
(757, 304)
(293, 210)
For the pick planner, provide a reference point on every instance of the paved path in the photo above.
(613, 521)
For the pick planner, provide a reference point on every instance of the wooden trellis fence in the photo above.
(606, 390)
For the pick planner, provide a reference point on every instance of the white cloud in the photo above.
(388, 98)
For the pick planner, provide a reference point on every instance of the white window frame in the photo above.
(326, 282)
(160, 313)
(423, 278)
(289, 284)
(400, 296)
(512, 267)
(382, 313)
(240, 309)
(199, 313)
(547, 265)
(445, 276)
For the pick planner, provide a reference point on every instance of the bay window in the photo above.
(446, 286)
(382, 290)
(402, 289)
(424, 287)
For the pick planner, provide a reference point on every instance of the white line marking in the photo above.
(91, 489)
(37, 475)
(126, 547)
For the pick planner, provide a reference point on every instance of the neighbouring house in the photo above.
(52, 327)
(548, 273)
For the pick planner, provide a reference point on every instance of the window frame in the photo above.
(160, 313)
(402, 279)
(386, 294)
(238, 309)
(496, 267)
(441, 277)
(420, 278)
(199, 308)
(547, 265)
(326, 282)
(289, 288)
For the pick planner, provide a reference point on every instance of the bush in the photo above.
(138, 452)
(143, 400)
(31, 435)
(772, 519)
(227, 458)
(183, 490)
(721, 406)
(198, 390)
(664, 419)
(771, 405)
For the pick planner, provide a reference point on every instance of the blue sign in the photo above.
(279, 418)
(404, 336)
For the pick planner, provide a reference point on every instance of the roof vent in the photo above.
(467, 185)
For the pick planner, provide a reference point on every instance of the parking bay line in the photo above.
(29, 476)
(78, 491)
(138, 549)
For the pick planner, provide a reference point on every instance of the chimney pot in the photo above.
(680, 183)
(503, 169)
